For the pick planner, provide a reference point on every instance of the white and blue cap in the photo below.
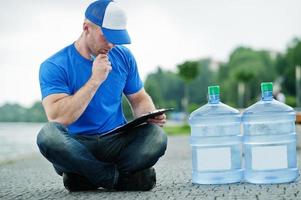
(112, 20)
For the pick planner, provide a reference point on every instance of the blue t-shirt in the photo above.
(67, 71)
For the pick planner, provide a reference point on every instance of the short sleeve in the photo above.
(53, 79)
(133, 82)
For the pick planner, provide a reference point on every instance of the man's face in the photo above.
(96, 41)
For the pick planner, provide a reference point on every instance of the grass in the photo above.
(177, 130)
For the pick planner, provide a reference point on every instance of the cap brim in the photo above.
(116, 36)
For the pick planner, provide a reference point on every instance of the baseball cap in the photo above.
(112, 20)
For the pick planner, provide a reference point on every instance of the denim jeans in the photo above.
(102, 158)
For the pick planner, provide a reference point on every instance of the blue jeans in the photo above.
(101, 159)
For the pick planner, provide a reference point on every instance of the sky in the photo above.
(163, 33)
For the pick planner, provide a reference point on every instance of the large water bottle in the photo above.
(269, 140)
(216, 142)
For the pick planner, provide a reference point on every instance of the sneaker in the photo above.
(144, 180)
(74, 182)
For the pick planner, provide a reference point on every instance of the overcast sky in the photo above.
(163, 33)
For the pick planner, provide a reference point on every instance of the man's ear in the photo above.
(85, 27)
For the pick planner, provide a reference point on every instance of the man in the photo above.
(82, 88)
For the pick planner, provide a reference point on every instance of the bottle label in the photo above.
(214, 158)
(269, 157)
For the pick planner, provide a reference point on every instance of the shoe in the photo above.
(74, 182)
(144, 180)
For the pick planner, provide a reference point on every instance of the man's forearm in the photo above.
(70, 108)
(143, 106)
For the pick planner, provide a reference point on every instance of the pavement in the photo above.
(32, 177)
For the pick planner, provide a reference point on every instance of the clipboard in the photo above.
(137, 122)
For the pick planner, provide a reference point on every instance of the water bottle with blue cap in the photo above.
(216, 142)
(269, 140)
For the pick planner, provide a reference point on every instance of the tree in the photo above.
(36, 113)
(287, 65)
(198, 88)
(17, 113)
(188, 71)
(245, 70)
(165, 88)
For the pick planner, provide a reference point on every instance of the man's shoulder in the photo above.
(123, 54)
(120, 49)
(59, 58)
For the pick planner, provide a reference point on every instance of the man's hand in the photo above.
(159, 120)
(142, 103)
(101, 68)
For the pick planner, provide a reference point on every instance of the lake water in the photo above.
(18, 140)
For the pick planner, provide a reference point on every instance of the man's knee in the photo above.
(49, 136)
(157, 141)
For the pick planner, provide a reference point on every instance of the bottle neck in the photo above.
(267, 96)
(213, 99)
